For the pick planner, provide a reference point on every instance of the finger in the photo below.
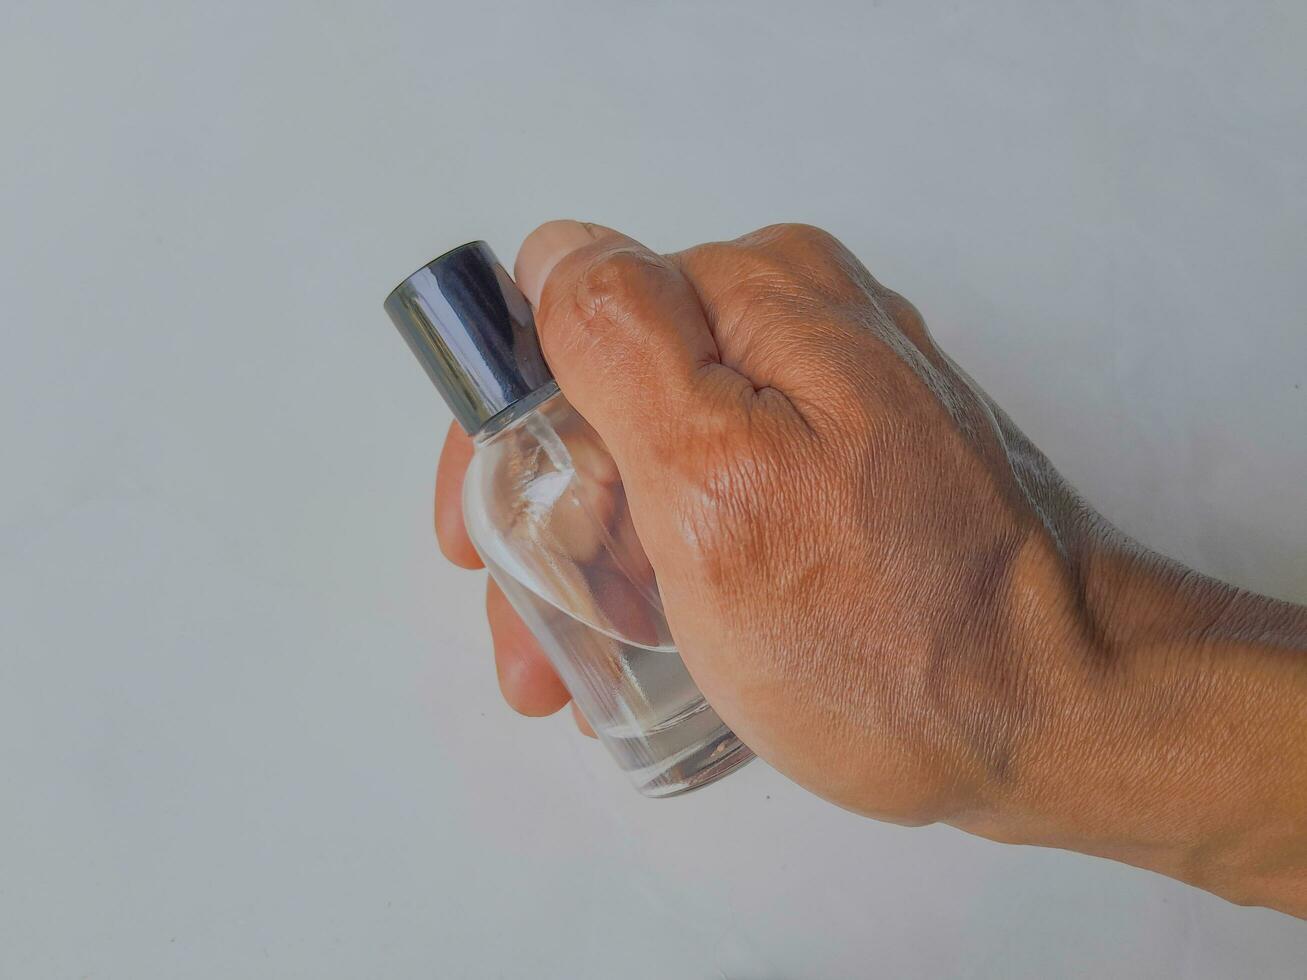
(582, 725)
(626, 338)
(527, 679)
(451, 532)
(775, 299)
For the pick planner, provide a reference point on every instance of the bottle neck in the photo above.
(514, 413)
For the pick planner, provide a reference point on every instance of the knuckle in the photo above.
(783, 268)
(805, 244)
(805, 237)
(609, 288)
(615, 282)
(802, 259)
(905, 316)
(714, 260)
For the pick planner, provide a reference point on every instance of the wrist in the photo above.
(1172, 735)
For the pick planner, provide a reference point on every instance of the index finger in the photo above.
(451, 532)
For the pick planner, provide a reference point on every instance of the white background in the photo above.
(249, 724)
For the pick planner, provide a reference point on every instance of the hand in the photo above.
(886, 590)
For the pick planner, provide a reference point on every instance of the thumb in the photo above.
(625, 336)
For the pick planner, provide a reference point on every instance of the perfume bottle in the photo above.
(544, 506)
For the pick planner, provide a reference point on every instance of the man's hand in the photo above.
(887, 591)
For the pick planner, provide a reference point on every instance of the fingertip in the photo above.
(582, 725)
(548, 245)
(455, 545)
(451, 532)
(527, 679)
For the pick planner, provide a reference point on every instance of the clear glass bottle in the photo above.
(545, 507)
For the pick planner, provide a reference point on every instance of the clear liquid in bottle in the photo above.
(546, 510)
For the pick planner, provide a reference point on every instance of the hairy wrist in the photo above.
(1174, 730)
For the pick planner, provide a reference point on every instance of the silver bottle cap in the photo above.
(472, 330)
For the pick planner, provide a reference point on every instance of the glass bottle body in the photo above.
(547, 512)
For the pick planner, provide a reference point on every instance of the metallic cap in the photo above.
(467, 322)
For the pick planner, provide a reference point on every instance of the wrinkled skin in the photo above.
(887, 591)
